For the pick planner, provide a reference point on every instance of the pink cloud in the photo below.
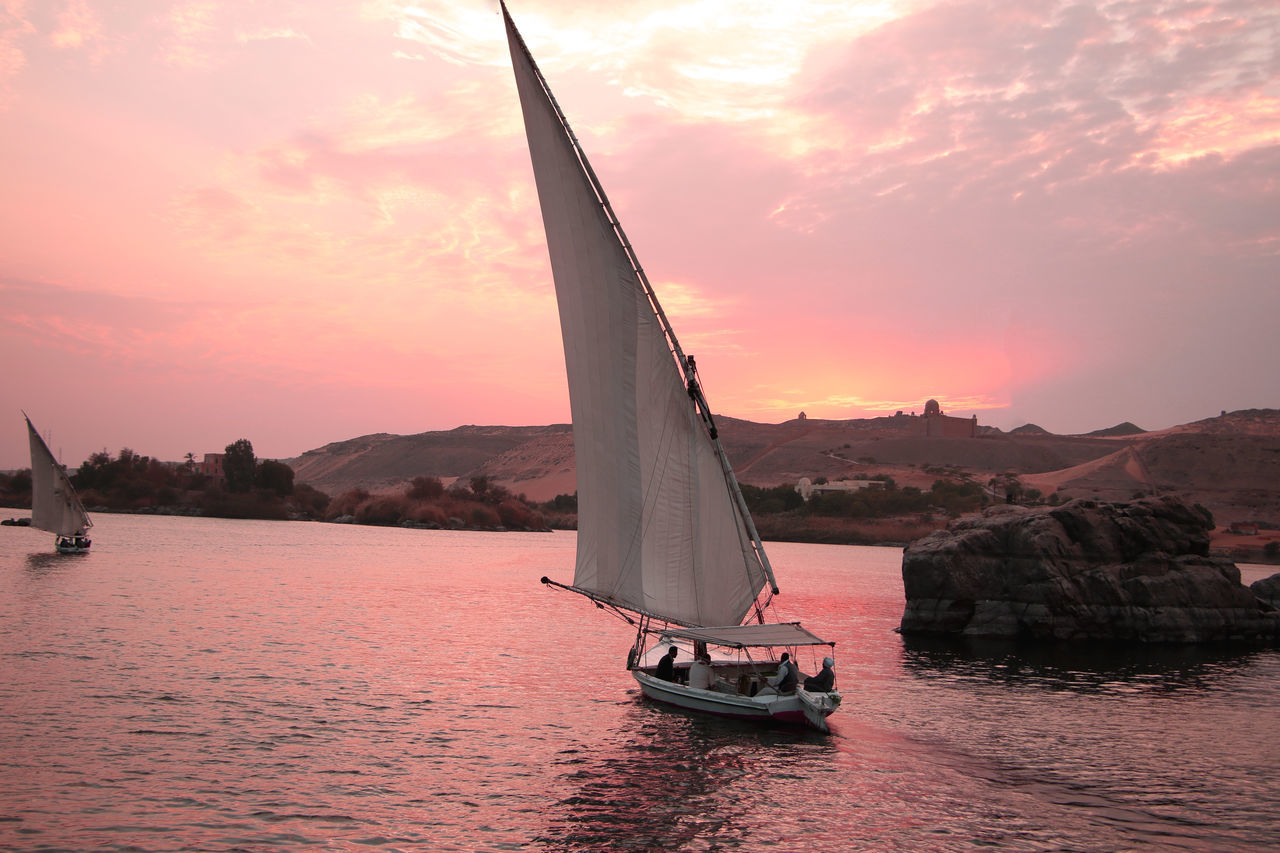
(304, 222)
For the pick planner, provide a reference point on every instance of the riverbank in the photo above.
(1260, 547)
(890, 532)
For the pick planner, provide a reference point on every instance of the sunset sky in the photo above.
(300, 222)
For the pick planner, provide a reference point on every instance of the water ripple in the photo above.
(220, 685)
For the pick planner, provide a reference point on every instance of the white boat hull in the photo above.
(801, 707)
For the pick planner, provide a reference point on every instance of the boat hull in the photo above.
(77, 545)
(799, 708)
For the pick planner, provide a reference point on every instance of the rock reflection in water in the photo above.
(1078, 668)
(1142, 742)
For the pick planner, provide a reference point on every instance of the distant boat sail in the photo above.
(55, 506)
(664, 535)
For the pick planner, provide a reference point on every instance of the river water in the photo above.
(207, 684)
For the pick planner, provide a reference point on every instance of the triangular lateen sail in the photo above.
(55, 507)
(659, 530)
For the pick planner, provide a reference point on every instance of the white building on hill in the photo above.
(807, 489)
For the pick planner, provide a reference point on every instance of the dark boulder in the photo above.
(1267, 590)
(1087, 570)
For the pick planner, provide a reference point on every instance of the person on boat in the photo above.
(825, 680)
(787, 677)
(701, 674)
(667, 666)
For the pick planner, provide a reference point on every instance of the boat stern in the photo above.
(811, 709)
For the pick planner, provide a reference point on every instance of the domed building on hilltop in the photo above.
(935, 424)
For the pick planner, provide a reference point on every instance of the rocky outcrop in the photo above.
(1087, 570)
(1267, 590)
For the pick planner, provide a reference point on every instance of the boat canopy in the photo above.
(742, 636)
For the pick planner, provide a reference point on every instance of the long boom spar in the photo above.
(685, 364)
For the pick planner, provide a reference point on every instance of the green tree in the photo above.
(275, 476)
(562, 503)
(15, 488)
(773, 499)
(956, 497)
(20, 481)
(239, 465)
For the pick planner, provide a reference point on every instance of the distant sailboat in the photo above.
(55, 506)
(664, 536)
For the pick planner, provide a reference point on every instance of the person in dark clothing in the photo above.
(824, 681)
(786, 679)
(667, 666)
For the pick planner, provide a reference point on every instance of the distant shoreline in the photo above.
(1238, 547)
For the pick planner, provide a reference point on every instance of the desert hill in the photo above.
(1260, 422)
(1229, 463)
(384, 462)
(1125, 428)
(772, 454)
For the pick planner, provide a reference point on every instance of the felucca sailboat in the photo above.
(55, 506)
(665, 539)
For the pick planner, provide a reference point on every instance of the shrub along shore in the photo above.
(265, 489)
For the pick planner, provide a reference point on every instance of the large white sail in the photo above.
(659, 530)
(55, 507)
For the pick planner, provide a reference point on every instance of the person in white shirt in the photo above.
(701, 674)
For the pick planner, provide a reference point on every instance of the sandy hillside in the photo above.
(1230, 464)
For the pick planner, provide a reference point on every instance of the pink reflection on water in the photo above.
(230, 685)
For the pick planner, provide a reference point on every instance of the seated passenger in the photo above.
(786, 679)
(824, 681)
(701, 674)
(667, 666)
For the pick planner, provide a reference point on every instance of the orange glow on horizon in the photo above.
(846, 209)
